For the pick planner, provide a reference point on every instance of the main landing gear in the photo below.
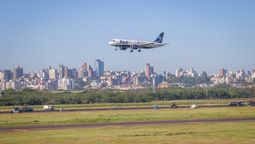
(133, 50)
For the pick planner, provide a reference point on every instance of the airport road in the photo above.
(122, 108)
(137, 123)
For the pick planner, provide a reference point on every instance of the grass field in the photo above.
(196, 133)
(86, 117)
(227, 133)
(160, 103)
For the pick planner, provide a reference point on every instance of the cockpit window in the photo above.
(113, 40)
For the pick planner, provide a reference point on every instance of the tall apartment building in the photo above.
(99, 67)
(53, 74)
(61, 71)
(148, 71)
(17, 72)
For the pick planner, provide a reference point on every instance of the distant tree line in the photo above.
(35, 97)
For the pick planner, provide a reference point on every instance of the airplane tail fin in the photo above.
(160, 38)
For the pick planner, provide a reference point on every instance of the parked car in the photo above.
(22, 109)
(16, 110)
(173, 105)
(48, 107)
(193, 106)
(238, 103)
(251, 103)
(155, 106)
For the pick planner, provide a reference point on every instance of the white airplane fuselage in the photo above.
(140, 44)
(123, 44)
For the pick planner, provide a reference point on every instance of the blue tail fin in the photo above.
(159, 38)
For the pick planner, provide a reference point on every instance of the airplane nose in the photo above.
(110, 43)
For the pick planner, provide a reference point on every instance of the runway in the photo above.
(135, 123)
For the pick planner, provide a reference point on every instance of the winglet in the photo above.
(160, 38)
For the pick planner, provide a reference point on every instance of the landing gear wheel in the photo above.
(131, 51)
(139, 50)
(116, 49)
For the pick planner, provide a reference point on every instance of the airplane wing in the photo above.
(145, 44)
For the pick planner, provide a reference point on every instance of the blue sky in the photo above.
(203, 34)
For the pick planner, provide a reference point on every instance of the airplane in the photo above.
(123, 44)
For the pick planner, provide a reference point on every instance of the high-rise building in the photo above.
(90, 72)
(52, 85)
(65, 84)
(165, 76)
(72, 73)
(178, 72)
(138, 79)
(6, 75)
(66, 72)
(17, 72)
(1, 75)
(53, 74)
(222, 72)
(61, 71)
(192, 73)
(157, 79)
(16, 85)
(148, 71)
(99, 68)
(82, 72)
(253, 75)
(240, 74)
(84, 66)
(44, 73)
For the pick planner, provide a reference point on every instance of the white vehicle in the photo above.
(48, 107)
(193, 106)
(123, 44)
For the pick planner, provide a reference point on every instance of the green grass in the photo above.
(87, 117)
(196, 133)
(204, 133)
(160, 103)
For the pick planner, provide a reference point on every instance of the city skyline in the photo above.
(146, 68)
(206, 35)
(88, 77)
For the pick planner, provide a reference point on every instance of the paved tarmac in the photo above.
(136, 123)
